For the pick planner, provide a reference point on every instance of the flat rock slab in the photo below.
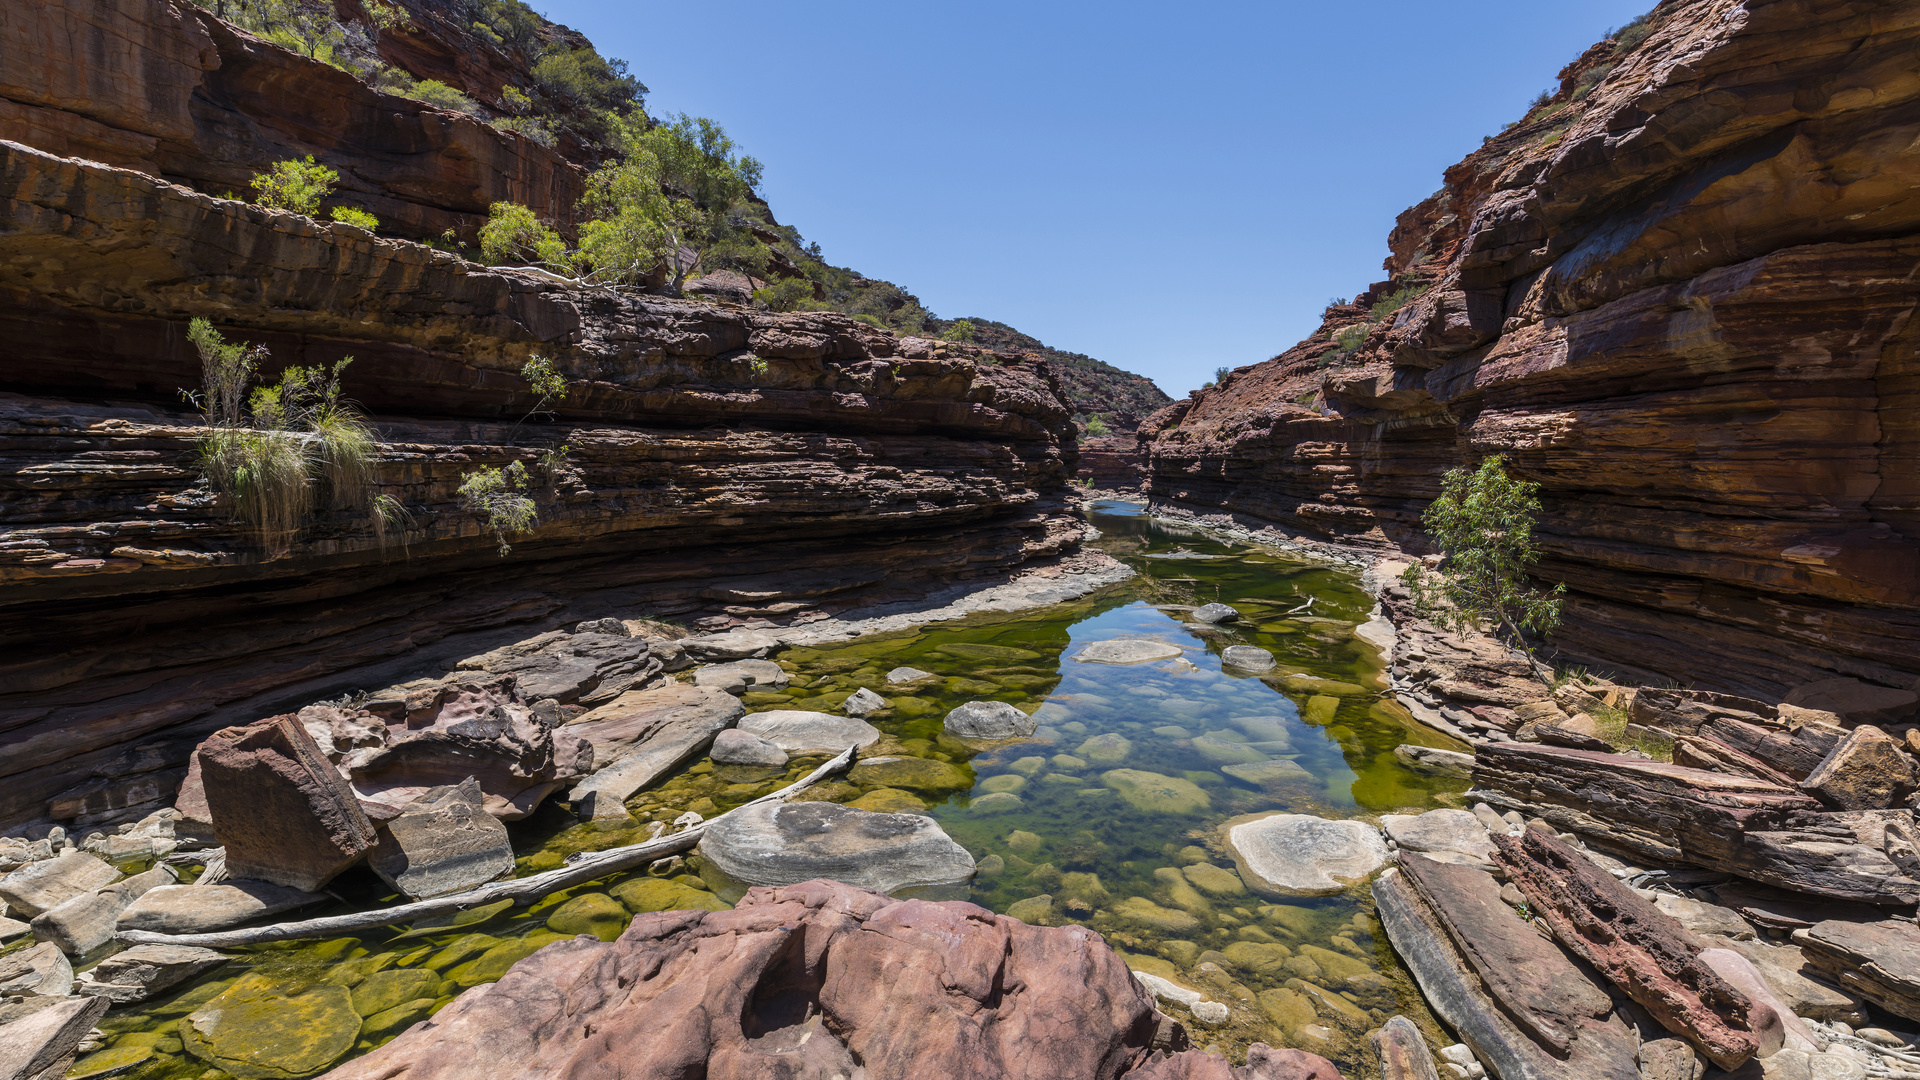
(736, 747)
(1266, 773)
(199, 909)
(904, 676)
(642, 735)
(989, 720)
(787, 843)
(1127, 651)
(1440, 830)
(922, 989)
(443, 844)
(1645, 952)
(799, 731)
(44, 1044)
(139, 973)
(1155, 793)
(259, 1027)
(44, 885)
(735, 677)
(86, 922)
(40, 969)
(1879, 961)
(1303, 855)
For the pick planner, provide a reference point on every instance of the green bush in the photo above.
(499, 497)
(1097, 426)
(295, 184)
(513, 234)
(439, 94)
(958, 330)
(787, 294)
(353, 215)
(532, 127)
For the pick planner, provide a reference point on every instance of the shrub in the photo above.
(787, 294)
(513, 234)
(958, 330)
(353, 215)
(499, 497)
(295, 184)
(530, 126)
(439, 94)
(1097, 426)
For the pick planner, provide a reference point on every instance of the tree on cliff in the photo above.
(707, 189)
(1483, 524)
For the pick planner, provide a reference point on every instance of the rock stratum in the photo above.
(722, 466)
(1679, 297)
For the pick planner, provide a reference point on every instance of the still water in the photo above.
(1063, 825)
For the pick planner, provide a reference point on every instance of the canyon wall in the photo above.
(713, 464)
(1679, 297)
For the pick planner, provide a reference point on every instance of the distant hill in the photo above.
(1094, 387)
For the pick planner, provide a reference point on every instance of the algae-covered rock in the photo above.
(1183, 894)
(1267, 773)
(1265, 961)
(1025, 843)
(590, 913)
(1143, 912)
(1289, 1010)
(1157, 794)
(461, 949)
(1222, 752)
(657, 894)
(1028, 766)
(888, 800)
(1068, 763)
(969, 651)
(110, 1062)
(1108, 749)
(999, 802)
(1215, 880)
(1084, 887)
(1320, 709)
(1004, 782)
(263, 1029)
(385, 989)
(401, 1016)
(913, 774)
(489, 966)
(1034, 910)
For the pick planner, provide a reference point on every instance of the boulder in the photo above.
(1701, 752)
(1107, 749)
(1855, 702)
(279, 807)
(921, 989)
(1440, 830)
(1879, 961)
(798, 731)
(640, 736)
(735, 677)
(1157, 794)
(905, 676)
(443, 843)
(989, 720)
(1247, 657)
(86, 922)
(261, 1027)
(38, 969)
(863, 702)
(1402, 1051)
(1127, 651)
(1303, 855)
(736, 747)
(1649, 955)
(41, 886)
(1868, 770)
(589, 666)
(478, 726)
(42, 1046)
(202, 909)
(143, 971)
(1263, 1062)
(1428, 759)
(787, 843)
(1213, 613)
(1791, 752)
(733, 645)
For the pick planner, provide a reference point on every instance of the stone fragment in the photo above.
(12, 928)
(1224, 752)
(1700, 752)
(143, 971)
(1569, 735)
(86, 922)
(39, 969)
(733, 645)
(48, 883)
(736, 677)
(736, 747)
(787, 843)
(1440, 830)
(1213, 613)
(1402, 1051)
(1702, 918)
(1249, 657)
(443, 843)
(1157, 794)
(989, 720)
(640, 736)
(1868, 770)
(798, 731)
(1214, 880)
(1127, 651)
(1268, 773)
(905, 676)
(279, 807)
(1303, 855)
(589, 913)
(201, 909)
(1433, 760)
(863, 702)
(1879, 961)
(259, 1027)
(42, 1046)
(1652, 958)
(1854, 701)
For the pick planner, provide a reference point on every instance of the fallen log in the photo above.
(1642, 950)
(580, 869)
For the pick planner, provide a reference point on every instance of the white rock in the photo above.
(1303, 855)
(863, 702)
(1441, 830)
(736, 747)
(1127, 651)
(989, 720)
(799, 731)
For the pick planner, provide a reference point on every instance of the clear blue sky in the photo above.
(1167, 188)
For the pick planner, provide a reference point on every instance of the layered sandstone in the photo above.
(1678, 298)
(720, 464)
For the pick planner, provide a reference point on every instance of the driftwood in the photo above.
(580, 869)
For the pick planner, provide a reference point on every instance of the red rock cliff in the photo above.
(1679, 297)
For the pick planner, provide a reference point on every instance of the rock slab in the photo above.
(736, 747)
(1127, 651)
(279, 807)
(442, 844)
(1879, 961)
(641, 735)
(797, 980)
(799, 731)
(1303, 855)
(201, 909)
(43, 1045)
(787, 843)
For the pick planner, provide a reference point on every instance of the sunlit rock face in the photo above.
(1677, 297)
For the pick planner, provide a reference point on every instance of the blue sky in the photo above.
(1170, 189)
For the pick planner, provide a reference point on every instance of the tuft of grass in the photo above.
(264, 474)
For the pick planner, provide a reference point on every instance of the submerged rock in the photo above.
(863, 702)
(904, 676)
(800, 731)
(924, 775)
(1249, 657)
(643, 895)
(1303, 855)
(734, 678)
(1127, 651)
(262, 1029)
(1157, 794)
(1213, 613)
(1267, 773)
(787, 843)
(736, 747)
(989, 720)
